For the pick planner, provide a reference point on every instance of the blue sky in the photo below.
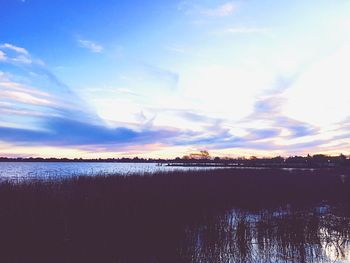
(165, 78)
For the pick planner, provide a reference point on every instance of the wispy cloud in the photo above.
(269, 110)
(90, 45)
(29, 86)
(163, 75)
(67, 132)
(176, 49)
(11, 53)
(14, 48)
(222, 10)
(23, 97)
(47, 113)
(247, 30)
(2, 55)
(225, 9)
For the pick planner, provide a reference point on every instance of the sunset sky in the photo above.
(164, 78)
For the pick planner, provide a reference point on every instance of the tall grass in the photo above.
(147, 218)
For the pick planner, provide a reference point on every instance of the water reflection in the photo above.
(283, 236)
(55, 170)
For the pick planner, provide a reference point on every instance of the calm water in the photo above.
(57, 170)
(45, 170)
(315, 235)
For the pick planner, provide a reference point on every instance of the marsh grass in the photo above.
(166, 217)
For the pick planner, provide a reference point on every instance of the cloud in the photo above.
(30, 90)
(266, 128)
(196, 117)
(24, 97)
(22, 59)
(2, 55)
(17, 49)
(37, 109)
(321, 93)
(269, 105)
(247, 30)
(49, 94)
(257, 139)
(90, 45)
(18, 112)
(46, 112)
(269, 110)
(13, 54)
(176, 49)
(261, 134)
(162, 75)
(67, 132)
(222, 10)
(225, 9)
(217, 134)
(297, 129)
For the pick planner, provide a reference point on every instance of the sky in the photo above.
(100, 79)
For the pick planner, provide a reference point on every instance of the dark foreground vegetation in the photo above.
(226, 215)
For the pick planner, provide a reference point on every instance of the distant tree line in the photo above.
(203, 157)
(317, 160)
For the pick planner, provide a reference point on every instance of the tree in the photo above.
(205, 154)
(202, 155)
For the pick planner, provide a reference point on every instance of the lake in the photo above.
(59, 170)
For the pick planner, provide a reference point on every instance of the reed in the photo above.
(149, 218)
